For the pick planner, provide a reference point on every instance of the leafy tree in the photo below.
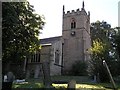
(101, 35)
(20, 30)
(96, 66)
(117, 40)
(116, 46)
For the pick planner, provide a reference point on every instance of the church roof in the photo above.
(50, 40)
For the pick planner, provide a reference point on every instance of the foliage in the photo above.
(102, 49)
(116, 46)
(96, 65)
(79, 68)
(20, 31)
(117, 40)
(98, 47)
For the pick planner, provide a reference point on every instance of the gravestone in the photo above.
(10, 77)
(8, 84)
(72, 85)
(5, 78)
(95, 79)
(37, 69)
(46, 72)
(98, 78)
(27, 74)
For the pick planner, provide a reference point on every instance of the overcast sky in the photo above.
(106, 10)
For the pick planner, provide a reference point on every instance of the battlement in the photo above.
(75, 12)
(72, 11)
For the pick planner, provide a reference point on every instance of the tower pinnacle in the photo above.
(63, 9)
(83, 5)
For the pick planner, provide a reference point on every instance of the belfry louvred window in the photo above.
(73, 23)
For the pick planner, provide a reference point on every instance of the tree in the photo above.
(20, 30)
(96, 66)
(116, 46)
(117, 40)
(101, 36)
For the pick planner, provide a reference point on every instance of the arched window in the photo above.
(73, 23)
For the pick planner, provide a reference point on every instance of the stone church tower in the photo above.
(75, 37)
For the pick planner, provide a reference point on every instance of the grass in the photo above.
(78, 79)
(83, 85)
(86, 86)
(28, 85)
(90, 86)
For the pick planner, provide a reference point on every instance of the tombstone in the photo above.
(27, 74)
(37, 69)
(72, 85)
(5, 78)
(94, 78)
(8, 84)
(46, 72)
(10, 77)
(98, 78)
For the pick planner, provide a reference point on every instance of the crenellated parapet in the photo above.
(75, 12)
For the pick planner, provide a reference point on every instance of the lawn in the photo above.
(85, 86)
(28, 85)
(81, 84)
(40, 85)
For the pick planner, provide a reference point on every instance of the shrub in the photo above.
(79, 68)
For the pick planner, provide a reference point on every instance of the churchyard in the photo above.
(64, 82)
(80, 84)
(83, 51)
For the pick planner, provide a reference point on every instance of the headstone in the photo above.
(98, 78)
(25, 62)
(72, 85)
(8, 85)
(10, 77)
(95, 79)
(46, 72)
(37, 69)
(5, 78)
(27, 74)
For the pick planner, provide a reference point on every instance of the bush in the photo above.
(79, 68)
(96, 68)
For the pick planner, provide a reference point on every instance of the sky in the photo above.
(106, 10)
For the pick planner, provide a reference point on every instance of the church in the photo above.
(63, 51)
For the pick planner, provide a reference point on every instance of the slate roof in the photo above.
(50, 40)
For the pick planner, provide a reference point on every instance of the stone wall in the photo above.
(55, 68)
